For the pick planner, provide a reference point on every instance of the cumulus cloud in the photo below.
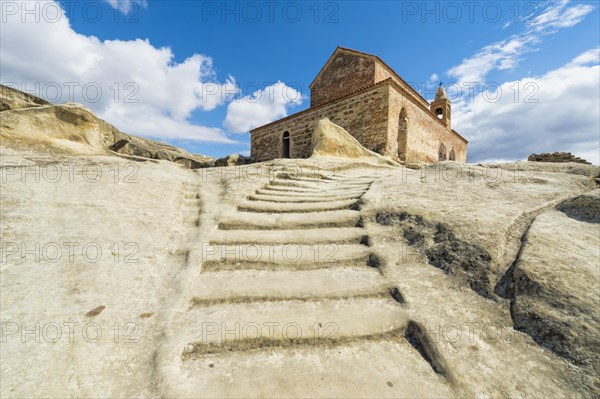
(506, 54)
(132, 84)
(558, 111)
(261, 107)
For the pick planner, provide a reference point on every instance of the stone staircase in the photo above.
(286, 277)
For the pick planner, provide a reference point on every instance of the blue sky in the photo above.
(199, 67)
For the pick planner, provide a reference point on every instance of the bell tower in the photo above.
(441, 106)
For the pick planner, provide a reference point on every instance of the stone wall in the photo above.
(556, 157)
(382, 73)
(424, 132)
(363, 114)
(344, 73)
(372, 116)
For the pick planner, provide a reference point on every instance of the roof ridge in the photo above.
(365, 88)
(389, 68)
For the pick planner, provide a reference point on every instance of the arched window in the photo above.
(440, 113)
(285, 145)
(452, 155)
(402, 133)
(442, 153)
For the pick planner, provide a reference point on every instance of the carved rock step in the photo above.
(308, 322)
(283, 257)
(302, 199)
(333, 235)
(305, 176)
(272, 207)
(397, 371)
(319, 186)
(290, 221)
(252, 285)
(312, 193)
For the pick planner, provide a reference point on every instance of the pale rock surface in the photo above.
(233, 160)
(70, 128)
(391, 323)
(322, 277)
(28, 122)
(331, 140)
(555, 284)
(14, 99)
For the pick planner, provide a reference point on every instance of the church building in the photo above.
(362, 94)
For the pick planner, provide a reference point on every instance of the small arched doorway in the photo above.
(402, 133)
(452, 155)
(442, 153)
(285, 145)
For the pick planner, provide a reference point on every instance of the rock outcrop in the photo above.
(460, 281)
(145, 148)
(28, 122)
(331, 140)
(67, 128)
(556, 157)
(555, 282)
(15, 99)
(278, 280)
(234, 160)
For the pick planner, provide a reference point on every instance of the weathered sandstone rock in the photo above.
(71, 128)
(331, 140)
(233, 160)
(556, 281)
(286, 243)
(145, 148)
(14, 99)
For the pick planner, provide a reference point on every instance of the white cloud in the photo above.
(590, 57)
(558, 15)
(127, 6)
(566, 116)
(143, 90)
(261, 107)
(506, 54)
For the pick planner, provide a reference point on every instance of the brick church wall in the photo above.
(363, 114)
(364, 96)
(345, 74)
(383, 73)
(424, 133)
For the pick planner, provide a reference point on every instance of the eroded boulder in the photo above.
(15, 99)
(234, 160)
(67, 128)
(331, 140)
(145, 148)
(71, 128)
